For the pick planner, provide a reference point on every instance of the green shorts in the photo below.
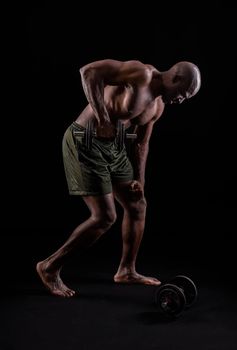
(91, 172)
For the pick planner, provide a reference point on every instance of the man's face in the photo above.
(176, 94)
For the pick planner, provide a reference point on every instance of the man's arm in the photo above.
(96, 75)
(140, 151)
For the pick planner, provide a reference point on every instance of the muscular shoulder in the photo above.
(115, 72)
(136, 71)
(130, 71)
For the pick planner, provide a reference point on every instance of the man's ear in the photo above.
(177, 78)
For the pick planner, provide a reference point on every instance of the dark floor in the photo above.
(109, 316)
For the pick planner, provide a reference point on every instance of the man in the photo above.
(120, 95)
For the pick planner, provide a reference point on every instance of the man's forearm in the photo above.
(94, 91)
(139, 158)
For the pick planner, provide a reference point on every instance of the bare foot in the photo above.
(53, 282)
(135, 278)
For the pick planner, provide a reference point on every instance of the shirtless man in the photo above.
(135, 94)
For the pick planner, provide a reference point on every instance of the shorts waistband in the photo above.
(77, 126)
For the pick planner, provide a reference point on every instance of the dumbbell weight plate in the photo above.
(188, 286)
(170, 299)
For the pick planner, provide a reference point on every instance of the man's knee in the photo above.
(105, 219)
(109, 217)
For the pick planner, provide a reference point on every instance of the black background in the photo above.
(191, 169)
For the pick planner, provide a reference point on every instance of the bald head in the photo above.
(189, 76)
(182, 81)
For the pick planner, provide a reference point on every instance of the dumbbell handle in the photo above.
(82, 133)
(130, 136)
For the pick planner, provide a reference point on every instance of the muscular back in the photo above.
(126, 92)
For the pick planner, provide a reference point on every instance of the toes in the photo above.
(59, 293)
(156, 281)
(63, 293)
(153, 281)
(70, 293)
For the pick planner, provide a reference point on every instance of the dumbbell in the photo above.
(89, 133)
(176, 295)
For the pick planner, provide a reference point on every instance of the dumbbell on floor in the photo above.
(176, 295)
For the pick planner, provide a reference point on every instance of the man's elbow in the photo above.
(86, 72)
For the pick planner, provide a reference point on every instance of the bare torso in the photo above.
(133, 105)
